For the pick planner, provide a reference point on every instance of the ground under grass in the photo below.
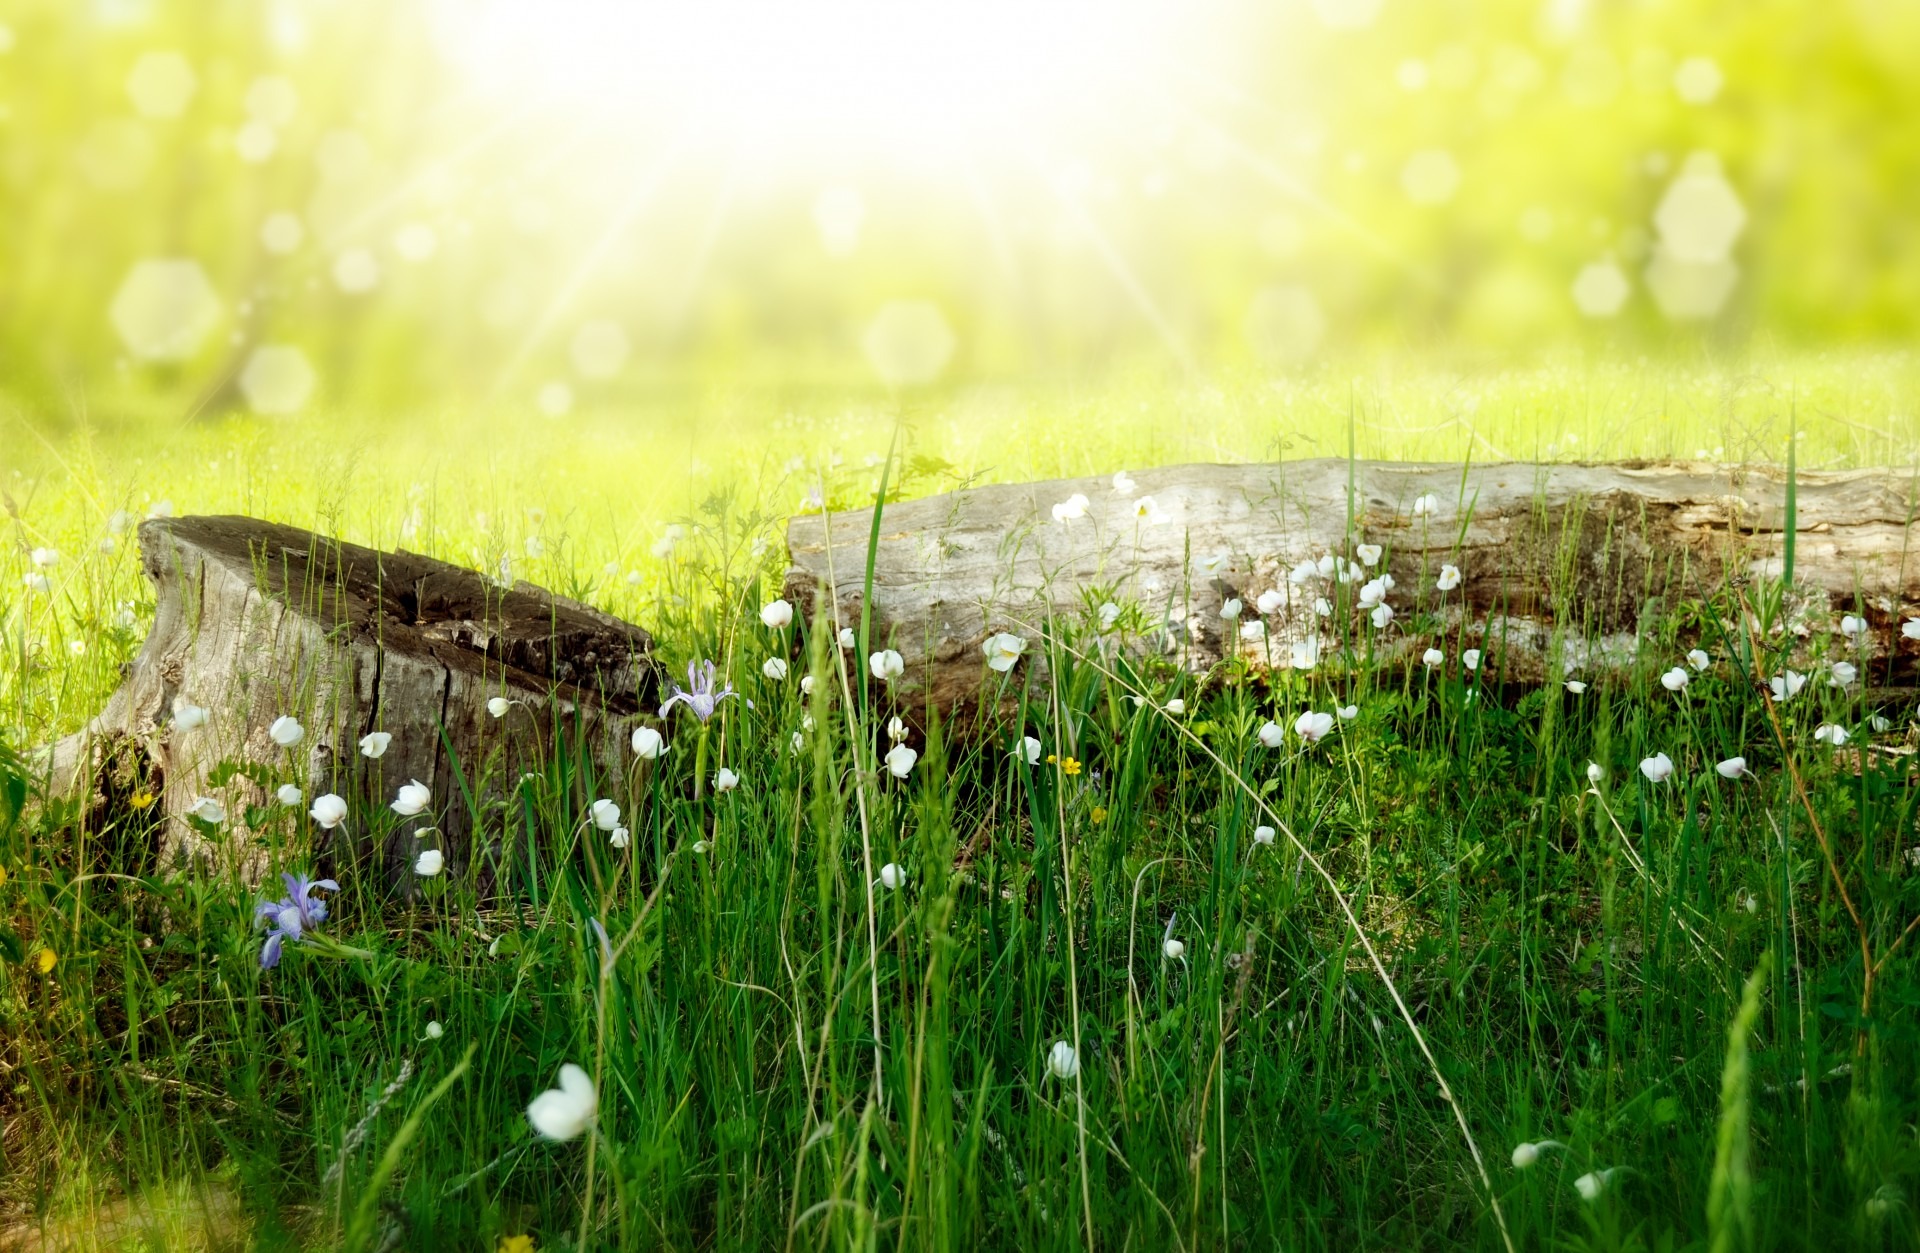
(791, 1048)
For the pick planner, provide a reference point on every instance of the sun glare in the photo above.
(816, 78)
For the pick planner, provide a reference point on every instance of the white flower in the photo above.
(1830, 733)
(1305, 653)
(435, 1030)
(1109, 614)
(328, 810)
(1263, 835)
(1575, 686)
(1212, 566)
(797, 743)
(887, 665)
(1382, 614)
(775, 668)
(1347, 712)
(207, 809)
(288, 794)
(1449, 578)
(286, 731)
(1323, 606)
(806, 685)
(1844, 672)
(777, 614)
(1176, 706)
(1732, 768)
(373, 745)
(1786, 686)
(648, 743)
(1525, 1155)
(1312, 727)
(1425, 504)
(1270, 601)
(897, 729)
(37, 583)
(1031, 748)
(725, 780)
(44, 558)
(892, 876)
(900, 759)
(498, 706)
(564, 1112)
(1879, 723)
(1658, 768)
(620, 837)
(429, 863)
(606, 814)
(1231, 609)
(412, 798)
(1471, 659)
(1853, 627)
(1123, 483)
(1369, 555)
(1172, 949)
(847, 641)
(1432, 657)
(1148, 510)
(1593, 1183)
(701, 846)
(1373, 592)
(188, 716)
(1595, 772)
(1271, 735)
(1911, 628)
(1003, 651)
(1675, 679)
(1698, 659)
(161, 509)
(1303, 573)
(1062, 1060)
(1072, 509)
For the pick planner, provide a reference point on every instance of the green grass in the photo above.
(790, 1054)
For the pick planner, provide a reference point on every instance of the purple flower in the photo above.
(293, 917)
(699, 694)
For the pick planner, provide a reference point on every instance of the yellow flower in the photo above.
(3, 876)
(1099, 815)
(45, 960)
(516, 1244)
(1069, 766)
(140, 800)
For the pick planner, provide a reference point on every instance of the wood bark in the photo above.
(254, 621)
(1565, 570)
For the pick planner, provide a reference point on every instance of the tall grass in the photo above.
(1459, 945)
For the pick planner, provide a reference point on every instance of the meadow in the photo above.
(1515, 985)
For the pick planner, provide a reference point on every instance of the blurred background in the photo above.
(287, 206)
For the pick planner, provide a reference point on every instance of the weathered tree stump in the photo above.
(1562, 567)
(255, 621)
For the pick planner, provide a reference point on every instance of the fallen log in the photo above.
(255, 622)
(1562, 569)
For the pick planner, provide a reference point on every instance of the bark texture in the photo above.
(1563, 568)
(254, 621)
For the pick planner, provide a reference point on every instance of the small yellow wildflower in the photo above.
(1099, 814)
(45, 961)
(3, 876)
(1069, 766)
(140, 800)
(516, 1244)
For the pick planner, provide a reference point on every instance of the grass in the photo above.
(789, 1053)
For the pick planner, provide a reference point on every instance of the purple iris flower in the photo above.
(699, 694)
(292, 918)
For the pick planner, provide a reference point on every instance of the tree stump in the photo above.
(255, 621)
(1563, 569)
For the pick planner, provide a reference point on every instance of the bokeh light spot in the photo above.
(277, 379)
(555, 399)
(416, 242)
(1697, 80)
(161, 84)
(599, 349)
(909, 343)
(1430, 176)
(1284, 325)
(165, 309)
(255, 142)
(282, 232)
(356, 271)
(272, 100)
(1690, 290)
(1700, 216)
(1601, 289)
(116, 155)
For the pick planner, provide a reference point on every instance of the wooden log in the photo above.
(1564, 569)
(255, 621)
